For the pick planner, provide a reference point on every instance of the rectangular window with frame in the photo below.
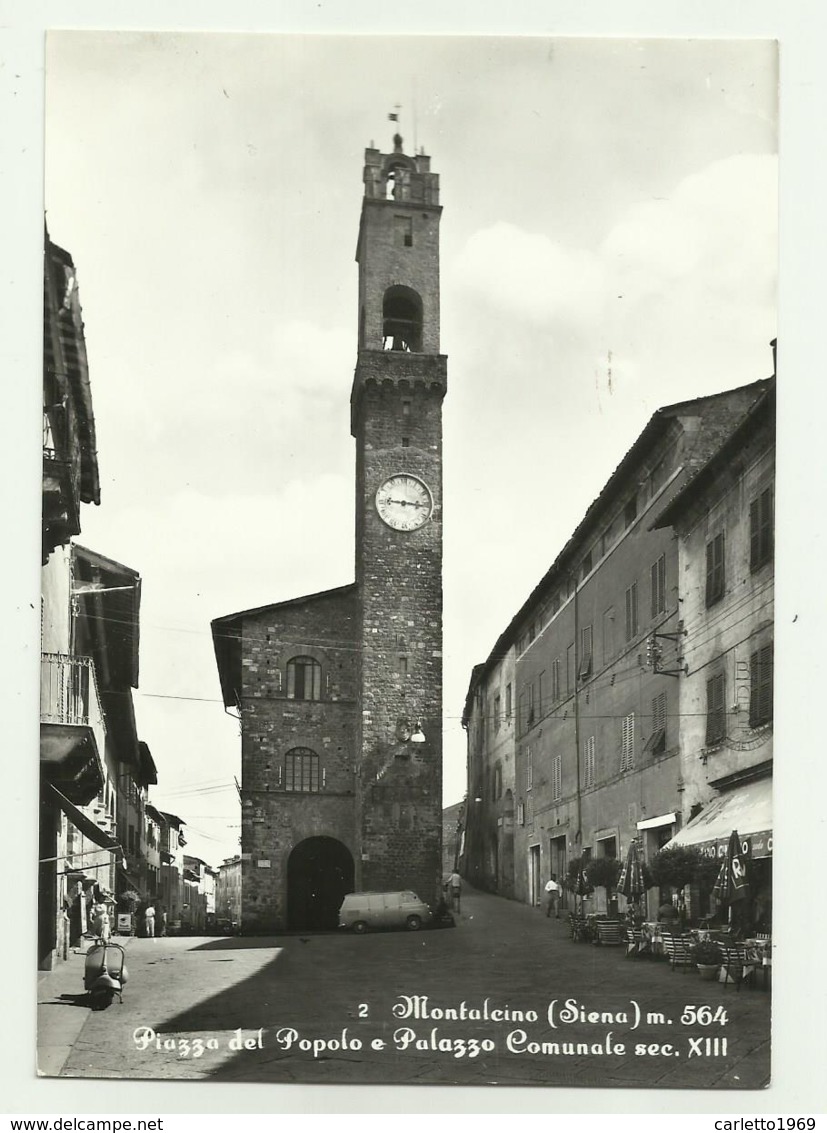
(570, 670)
(555, 680)
(715, 576)
(761, 530)
(631, 612)
(630, 511)
(589, 763)
(532, 706)
(608, 633)
(521, 814)
(497, 709)
(586, 648)
(656, 744)
(522, 712)
(529, 768)
(541, 706)
(627, 742)
(404, 231)
(508, 701)
(607, 538)
(761, 681)
(557, 778)
(587, 566)
(716, 709)
(658, 573)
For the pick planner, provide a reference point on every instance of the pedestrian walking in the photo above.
(162, 921)
(149, 920)
(101, 925)
(455, 885)
(553, 897)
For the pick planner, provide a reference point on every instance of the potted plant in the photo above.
(128, 902)
(603, 874)
(707, 958)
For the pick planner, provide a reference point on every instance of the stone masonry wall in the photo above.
(400, 592)
(274, 820)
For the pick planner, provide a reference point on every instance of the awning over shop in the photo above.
(654, 823)
(81, 821)
(747, 809)
(69, 756)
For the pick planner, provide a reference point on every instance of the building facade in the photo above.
(724, 522)
(228, 893)
(171, 889)
(489, 720)
(599, 649)
(340, 693)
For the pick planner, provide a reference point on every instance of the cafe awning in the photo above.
(81, 821)
(747, 809)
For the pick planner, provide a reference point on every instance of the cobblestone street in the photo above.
(238, 1009)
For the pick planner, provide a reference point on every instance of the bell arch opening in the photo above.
(320, 872)
(402, 320)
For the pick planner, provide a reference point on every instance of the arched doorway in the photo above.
(319, 874)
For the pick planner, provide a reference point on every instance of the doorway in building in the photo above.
(534, 879)
(319, 874)
(559, 865)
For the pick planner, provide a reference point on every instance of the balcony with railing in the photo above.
(72, 726)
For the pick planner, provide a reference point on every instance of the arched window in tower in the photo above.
(304, 679)
(301, 770)
(402, 320)
(395, 182)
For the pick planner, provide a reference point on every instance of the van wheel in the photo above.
(414, 923)
(360, 927)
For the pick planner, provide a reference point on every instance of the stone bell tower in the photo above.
(396, 418)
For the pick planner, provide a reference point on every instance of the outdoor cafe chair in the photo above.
(636, 943)
(678, 949)
(578, 927)
(739, 968)
(608, 932)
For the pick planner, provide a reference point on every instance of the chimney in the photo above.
(774, 345)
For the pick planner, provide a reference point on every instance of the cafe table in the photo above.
(651, 931)
(759, 956)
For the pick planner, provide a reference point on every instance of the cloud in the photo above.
(711, 235)
(717, 227)
(529, 275)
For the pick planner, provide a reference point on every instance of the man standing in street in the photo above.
(455, 887)
(553, 897)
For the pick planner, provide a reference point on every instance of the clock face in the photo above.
(404, 502)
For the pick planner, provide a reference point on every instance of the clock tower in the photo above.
(396, 419)
(339, 693)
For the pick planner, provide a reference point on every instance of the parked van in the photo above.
(363, 911)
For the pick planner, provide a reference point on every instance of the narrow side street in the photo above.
(252, 1010)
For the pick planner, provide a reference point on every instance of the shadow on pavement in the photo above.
(231, 1008)
(80, 999)
(232, 943)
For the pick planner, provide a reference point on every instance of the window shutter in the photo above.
(715, 576)
(556, 777)
(761, 684)
(761, 530)
(627, 750)
(754, 535)
(589, 768)
(715, 709)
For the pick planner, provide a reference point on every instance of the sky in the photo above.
(609, 245)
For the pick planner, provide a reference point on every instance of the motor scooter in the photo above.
(105, 973)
